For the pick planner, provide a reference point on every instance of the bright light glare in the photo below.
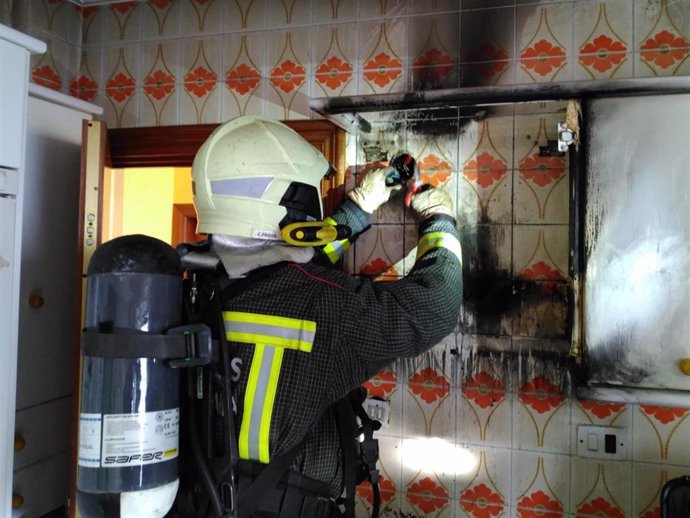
(434, 455)
(644, 265)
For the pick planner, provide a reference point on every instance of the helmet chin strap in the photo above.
(241, 255)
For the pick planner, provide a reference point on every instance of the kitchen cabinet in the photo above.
(637, 249)
(15, 51)
(49, 300)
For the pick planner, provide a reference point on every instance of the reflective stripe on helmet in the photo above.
(270, 335)
(248, 187)
(439, 240)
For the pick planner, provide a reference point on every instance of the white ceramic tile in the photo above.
(160, 112)
(378, 248)
(200, 18)
(334, 58)
(392, 8)
(122, 22)
(284, 13)
(162, 57)
(161, 19)
(541, 482)
(328, 11)
(429, 408)
(432, 51)
(541, 422)
(485, 490)
(541, 252)
(485, 408)
(648, 481)
(244, 14)
(600, 488)
(660, 434)
(383, 46)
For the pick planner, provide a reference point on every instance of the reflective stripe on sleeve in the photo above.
(335, 249)
(439, 240)
(270, 336)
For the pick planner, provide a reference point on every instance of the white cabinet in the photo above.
(15, 49)
(13, 81)
(49, 297)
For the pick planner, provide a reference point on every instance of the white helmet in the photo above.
(253, 176)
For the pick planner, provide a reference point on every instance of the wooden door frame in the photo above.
(176, 146)
(184, 224)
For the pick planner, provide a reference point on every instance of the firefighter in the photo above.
(303, 335)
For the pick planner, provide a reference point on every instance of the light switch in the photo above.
(602, 442)
(592, 442)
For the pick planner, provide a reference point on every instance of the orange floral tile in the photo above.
(288, 76)
(242, 79)
(427, 495)
(200, 81)
(484, 390)
(334, 73)
(543, 58)
(119, 88)
(159, 84)
(539, 505)
(665, 49)
(429, 385)
(83, 88)
(46, 76)
(480, 501)
(599, 507)
(602, 53)
(382, 384)
(382, 69)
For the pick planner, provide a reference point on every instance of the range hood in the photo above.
(346, 111)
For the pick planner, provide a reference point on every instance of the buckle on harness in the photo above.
(197, 338)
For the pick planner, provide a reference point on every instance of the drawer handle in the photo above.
(17, 501)
(36, 301)
(19, 443)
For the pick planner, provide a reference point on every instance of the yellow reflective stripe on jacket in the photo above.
(335, 249)
(439, 240)
(270, 335)
(252, 328)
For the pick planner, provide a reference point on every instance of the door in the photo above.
(637, 242)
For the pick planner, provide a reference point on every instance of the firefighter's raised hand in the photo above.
(373, 191)
(431, 201)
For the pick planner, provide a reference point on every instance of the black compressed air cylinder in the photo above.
(129, 407)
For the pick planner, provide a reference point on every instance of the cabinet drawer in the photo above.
(42, 487)
(43, 431)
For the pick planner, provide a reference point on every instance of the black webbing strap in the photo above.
(370, 455)
(132, 345)
(249, 498)
(183, 346)
(345, 419)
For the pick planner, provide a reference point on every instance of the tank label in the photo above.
(90, 440)
(137, 439)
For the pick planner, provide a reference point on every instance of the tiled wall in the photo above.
(490, 392)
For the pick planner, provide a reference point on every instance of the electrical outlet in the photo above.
(378, 410)
(602, 442)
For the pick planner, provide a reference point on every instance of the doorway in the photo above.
(154, 201)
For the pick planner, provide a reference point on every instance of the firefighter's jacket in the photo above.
(304, 336)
